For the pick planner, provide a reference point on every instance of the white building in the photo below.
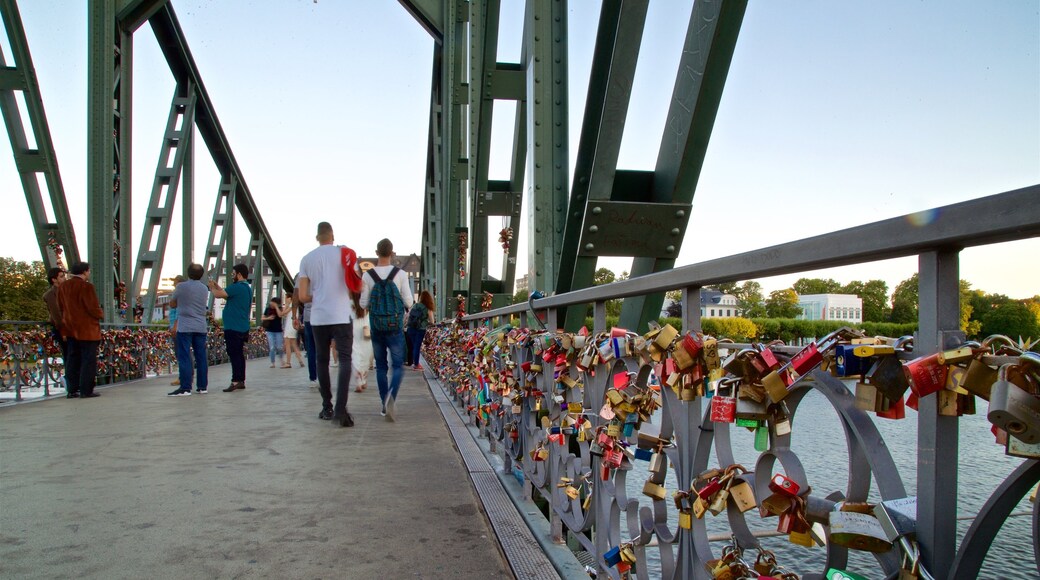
(844, 307)
(715, 304)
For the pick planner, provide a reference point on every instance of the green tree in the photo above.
(816, 286)
(603, 276)
(874, 294)
(750, 299)
(726, 288)
(674, 300)
(520, 296)
(782, 304)
(904, 301)
(606, 276)
(22, 285)
(1012, 318)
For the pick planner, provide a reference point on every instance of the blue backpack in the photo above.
(385, 306)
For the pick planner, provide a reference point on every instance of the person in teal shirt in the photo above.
(239, 299)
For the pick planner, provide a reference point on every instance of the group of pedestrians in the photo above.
(75, 316)
(341, 299)
(334, 305)
(190, 298)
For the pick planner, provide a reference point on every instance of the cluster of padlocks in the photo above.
(29, 357)
(527, 389)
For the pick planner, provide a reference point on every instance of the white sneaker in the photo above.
(334, 365)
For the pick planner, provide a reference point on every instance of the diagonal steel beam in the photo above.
(710, 41)
(161, 204)
(182, 64)
(429, 14)
(614, 58)
(132, 14)
(32, 163)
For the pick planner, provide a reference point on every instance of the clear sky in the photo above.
(835, 114)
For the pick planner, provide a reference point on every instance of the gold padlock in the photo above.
(685, 520)
(654, 490)
(743, 496)
(979, 378)
(572, 492)
(957, 355)
(801, 539)
(699, 507)
(947, 403)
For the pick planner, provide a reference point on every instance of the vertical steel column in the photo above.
(455, 95)
(101, 32)
(545, 41)
(691, 309)
(188, 200)
(938, 324)
(123, 195)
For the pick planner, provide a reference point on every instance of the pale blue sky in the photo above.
(835, 114)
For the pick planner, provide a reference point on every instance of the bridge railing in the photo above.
(576, 414)
(31, 360)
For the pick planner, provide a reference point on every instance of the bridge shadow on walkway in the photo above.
(135, 484)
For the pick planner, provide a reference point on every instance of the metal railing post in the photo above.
(938, 318)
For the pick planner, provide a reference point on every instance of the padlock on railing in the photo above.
(1013, 409)
(724, 407)
(855, 526)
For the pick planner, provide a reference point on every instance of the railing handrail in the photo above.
(1009, 216)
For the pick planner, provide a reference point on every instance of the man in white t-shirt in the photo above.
(322, 285)
(391, 340)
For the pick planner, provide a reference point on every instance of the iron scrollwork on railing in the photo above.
(30, 358)
(574, 412)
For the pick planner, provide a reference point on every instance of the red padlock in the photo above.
(723, 409)
(711, 488)
(692, 345)
(782, 484)
(765, 361)
(807, 359)
(897, 409)
(926, 374)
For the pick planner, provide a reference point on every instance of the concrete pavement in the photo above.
(249, 484)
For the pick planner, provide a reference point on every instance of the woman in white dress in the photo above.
(291, 346)
(361, 354)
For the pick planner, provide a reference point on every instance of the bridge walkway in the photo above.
(247, 484)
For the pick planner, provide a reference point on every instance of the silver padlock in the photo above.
(1013, 409)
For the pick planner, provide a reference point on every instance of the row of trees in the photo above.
(982, 313)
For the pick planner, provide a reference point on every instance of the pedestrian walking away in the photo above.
(420, 317)
(325, 273)
(238, 299)
(81, 316)
(386, 295)
(189, 298)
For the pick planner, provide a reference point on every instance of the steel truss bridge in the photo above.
(568, 232)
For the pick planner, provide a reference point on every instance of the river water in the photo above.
(819, 442)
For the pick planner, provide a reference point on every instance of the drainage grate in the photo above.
(519, 545)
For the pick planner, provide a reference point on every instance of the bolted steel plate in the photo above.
(637, 229)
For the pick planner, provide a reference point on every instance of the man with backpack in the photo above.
(386, 295)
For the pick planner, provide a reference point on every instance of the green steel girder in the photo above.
(105, 250)
(429, 14)
(707, 52)
(172, 155)
(111, 26)
(31, 163)
(610, 87)
(545, 62)
(221, 240)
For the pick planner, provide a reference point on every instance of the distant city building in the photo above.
(844, 307)
(715, 304)
(521, 284)
(410, 264)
